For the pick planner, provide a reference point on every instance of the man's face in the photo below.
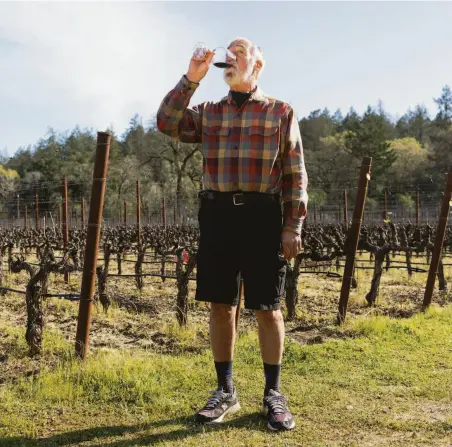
(243, 66)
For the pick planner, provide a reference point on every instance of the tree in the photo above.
(370, 139)
(337, 120)
(331, 166)
(441, 149)
(351, 121)
(122, 183)
(386, 122)
(21, 162)
(406, 201)
(183, 159)
(419, 124)
(415, 123)
(8, 181)
(402, 127)
(444, 103)
(412, 159)
(133, 139)
(317, 125)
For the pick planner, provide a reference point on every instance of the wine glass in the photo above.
(199, 51)
(221, 59)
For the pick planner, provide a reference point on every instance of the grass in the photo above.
(388, 383)
(375, 381)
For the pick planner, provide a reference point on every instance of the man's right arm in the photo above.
(175, 118)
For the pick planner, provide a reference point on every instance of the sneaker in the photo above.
(218, 406)
(278, 415)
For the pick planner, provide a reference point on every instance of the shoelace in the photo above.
(213, 401)
(277, 404)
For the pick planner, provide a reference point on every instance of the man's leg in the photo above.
(271, 339)
(222, 339)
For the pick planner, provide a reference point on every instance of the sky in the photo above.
(96, 64)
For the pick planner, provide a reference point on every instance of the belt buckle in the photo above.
(234, 196)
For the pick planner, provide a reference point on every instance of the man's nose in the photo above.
(230, 57)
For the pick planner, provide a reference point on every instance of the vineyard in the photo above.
(132, 285)
(169, 254)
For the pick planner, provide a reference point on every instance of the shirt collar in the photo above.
(256, 95)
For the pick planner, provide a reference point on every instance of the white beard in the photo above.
(235, 77)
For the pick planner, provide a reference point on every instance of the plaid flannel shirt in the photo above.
(255, 148)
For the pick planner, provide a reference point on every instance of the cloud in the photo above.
(92, 64)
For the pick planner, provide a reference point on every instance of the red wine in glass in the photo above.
(222, 64)
(223, 57)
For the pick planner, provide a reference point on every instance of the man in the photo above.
(252, 160)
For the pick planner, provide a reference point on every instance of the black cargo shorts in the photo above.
(240, 237)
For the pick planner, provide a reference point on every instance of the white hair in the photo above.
(256, 52)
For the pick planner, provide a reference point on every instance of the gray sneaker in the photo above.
(278, 415)
(217, 407)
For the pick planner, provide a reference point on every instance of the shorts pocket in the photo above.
(282, 272)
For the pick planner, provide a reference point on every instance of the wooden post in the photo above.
(164, 212)
(345, 209)
(138, 213)
(439, 239)
(92, 244)
(385, 205)
(65, 226)
(26, 217)
(82, 205)
(418, 208)
(18, 211)
(353, 236)
(73, 219)
(36, 212)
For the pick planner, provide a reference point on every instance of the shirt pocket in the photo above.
(214, 140)
(263, 139)
(261, 147)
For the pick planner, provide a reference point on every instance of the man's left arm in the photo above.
(294, 185)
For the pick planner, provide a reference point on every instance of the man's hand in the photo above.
(291, 244)
(198, 68)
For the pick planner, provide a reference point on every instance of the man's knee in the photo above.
(222, 310)
(269, 317)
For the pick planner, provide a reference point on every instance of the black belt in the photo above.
(239, 197)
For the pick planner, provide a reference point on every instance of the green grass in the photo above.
(384, 382)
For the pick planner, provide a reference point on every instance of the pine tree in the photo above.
(444, 103)
(370, 139)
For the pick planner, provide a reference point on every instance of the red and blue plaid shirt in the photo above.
(256, 147)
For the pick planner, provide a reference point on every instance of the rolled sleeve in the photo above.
(175, 118)
(294, 177)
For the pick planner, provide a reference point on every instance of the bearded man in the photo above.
(251, 212)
